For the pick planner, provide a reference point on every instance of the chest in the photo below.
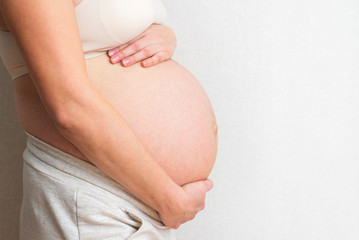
(106, 23)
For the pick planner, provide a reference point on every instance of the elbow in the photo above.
(66, 114)
(63, 119)
(73, 112)
(75, 115)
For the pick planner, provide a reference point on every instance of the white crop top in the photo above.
(103, 24)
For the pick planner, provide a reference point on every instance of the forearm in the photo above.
(106, 139)
(56, 64)
(57, 67)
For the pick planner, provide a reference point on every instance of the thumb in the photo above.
(208, 184)
(200, 185)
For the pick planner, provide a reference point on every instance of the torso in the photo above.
(165, 105)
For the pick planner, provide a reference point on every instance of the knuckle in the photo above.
(123, 52)
(120, 54)
(160, 58)
(173, 225)
(166, 49)
(203, 206)
(153, 61)
(116, 49)
(148, 38)
(136, 46)
(147, 52)
(167, 55)
(132, 58)
(150, 61)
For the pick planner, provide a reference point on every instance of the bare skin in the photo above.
(155, 91)
(188, 149)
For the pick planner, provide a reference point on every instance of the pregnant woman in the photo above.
(113, 152)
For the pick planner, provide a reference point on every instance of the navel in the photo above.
(215, 128)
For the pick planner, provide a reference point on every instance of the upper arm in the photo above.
(48, 37)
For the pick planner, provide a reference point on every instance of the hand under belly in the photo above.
(168, 110)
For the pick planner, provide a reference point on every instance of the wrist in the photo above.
(172, 200)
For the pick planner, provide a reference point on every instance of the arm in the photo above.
(48, 37)
(155, 45)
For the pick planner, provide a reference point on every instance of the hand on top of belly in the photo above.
(188, 204)
(155, 45)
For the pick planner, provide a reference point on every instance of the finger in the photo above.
(128, 50)
(171, 224)
(135, 47)
(204, 185)
(113, 51)
(141, 55)
(176, 226)
(115, 54)
(209, 184)
(155, 59)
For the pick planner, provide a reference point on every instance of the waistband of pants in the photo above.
(66, 163)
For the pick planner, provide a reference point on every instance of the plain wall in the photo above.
(12, 144)
(283, 79)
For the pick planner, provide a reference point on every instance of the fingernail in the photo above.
(115, 59)
(111, 52)
(126, 61)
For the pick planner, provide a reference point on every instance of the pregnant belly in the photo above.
(168, 110)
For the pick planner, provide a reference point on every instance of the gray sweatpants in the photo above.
(67, 198)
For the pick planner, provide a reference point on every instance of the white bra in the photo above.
(103, 24)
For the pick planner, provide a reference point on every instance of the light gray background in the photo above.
(283, 78)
